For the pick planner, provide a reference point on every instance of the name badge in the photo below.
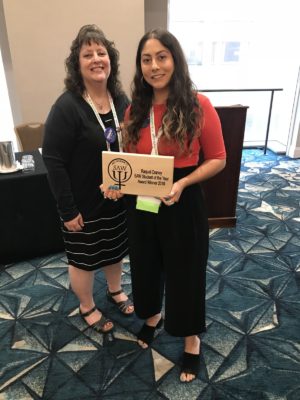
(110, 135)
(147, 203)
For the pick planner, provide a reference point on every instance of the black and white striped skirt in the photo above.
(102, 242)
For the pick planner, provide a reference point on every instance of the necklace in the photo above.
(100, 105)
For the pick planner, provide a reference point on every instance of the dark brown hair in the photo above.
(184, 114)
(86, 35)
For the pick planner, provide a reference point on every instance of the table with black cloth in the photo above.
(29, 222)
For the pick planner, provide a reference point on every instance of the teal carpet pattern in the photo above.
(251, 350)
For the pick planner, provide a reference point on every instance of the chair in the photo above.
(30, 135)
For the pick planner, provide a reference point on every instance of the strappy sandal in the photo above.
(98, 326)
(146, 334)
(190, 365)
(122, 305)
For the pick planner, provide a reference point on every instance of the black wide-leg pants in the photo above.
(168, 256)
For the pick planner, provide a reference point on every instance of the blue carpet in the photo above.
(251, 350)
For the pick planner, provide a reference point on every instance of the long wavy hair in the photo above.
(86, 35)
(183, 116)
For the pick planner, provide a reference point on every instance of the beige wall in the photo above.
(39, 35)
(156, 14)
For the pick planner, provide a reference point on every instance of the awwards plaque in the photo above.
(141, 174)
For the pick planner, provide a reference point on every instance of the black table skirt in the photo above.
(29, 222)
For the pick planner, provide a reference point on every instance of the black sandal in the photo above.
(98, 326)
(123, 305)
(146, 334)
(190, 365)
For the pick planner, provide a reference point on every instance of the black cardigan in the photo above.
(72, 151)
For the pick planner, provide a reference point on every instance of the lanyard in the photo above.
(112, 106)
(154, 138)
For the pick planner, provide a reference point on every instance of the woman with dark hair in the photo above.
(84, 121)
(169, 249)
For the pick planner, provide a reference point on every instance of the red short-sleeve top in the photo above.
(210, 141)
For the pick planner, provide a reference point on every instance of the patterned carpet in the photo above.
(251, 350)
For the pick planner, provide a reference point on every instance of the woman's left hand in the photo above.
(111, 194)
(206, 170)
(174, 195)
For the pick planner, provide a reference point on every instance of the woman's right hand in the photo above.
(76, 224)
(111, 194)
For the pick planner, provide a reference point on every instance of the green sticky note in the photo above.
(150, 204)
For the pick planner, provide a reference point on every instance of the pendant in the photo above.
(110, 135)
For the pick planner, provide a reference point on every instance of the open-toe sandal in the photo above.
(190, 365)
(146, 334)
(122, 305)
(98, 326)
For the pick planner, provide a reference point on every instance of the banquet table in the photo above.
(29, 222)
